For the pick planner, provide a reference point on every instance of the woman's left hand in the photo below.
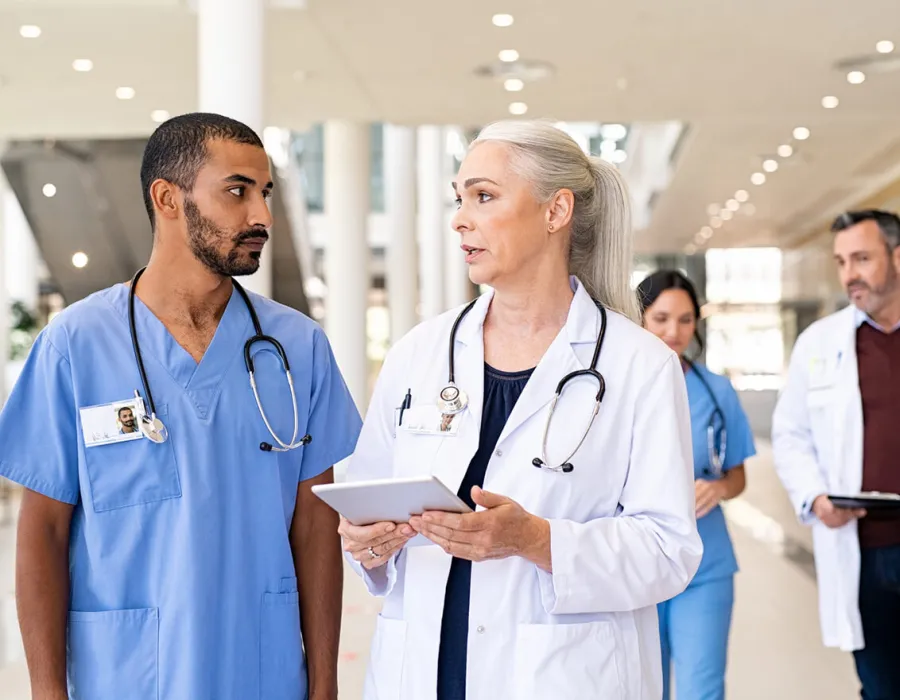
(504, 529)
(707, 495)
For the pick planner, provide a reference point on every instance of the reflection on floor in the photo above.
(775, 653)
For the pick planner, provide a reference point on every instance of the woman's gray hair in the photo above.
(600, 252)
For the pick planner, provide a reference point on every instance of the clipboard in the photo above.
(887, 503)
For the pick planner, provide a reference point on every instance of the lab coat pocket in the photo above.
(132, 473)
(114, 655)
(282, 673)
(568, 662)
(385, 674)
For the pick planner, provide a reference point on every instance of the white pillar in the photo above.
(4, 299)
(20, 254)
(457, 289)
(347, 274)
(231, 63)
(400, 207)
(432, 232)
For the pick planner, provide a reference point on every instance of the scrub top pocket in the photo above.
(132, 473)
(113, 655)
(281, 663)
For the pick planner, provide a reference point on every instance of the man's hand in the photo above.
(503, 530)
(833, 516)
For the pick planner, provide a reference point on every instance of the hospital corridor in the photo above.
(775, 650)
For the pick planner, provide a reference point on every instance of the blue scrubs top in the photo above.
(182, 579)
(718, 553)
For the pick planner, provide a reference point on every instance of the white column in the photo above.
(400, 207)
(432, 191)
(457, 290)
(20, 254)
(231, 63)
(347, 274)
(4, 298)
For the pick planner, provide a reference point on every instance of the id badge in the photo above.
(107, 424)
(428, 420)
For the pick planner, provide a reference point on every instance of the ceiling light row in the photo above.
(510, 56)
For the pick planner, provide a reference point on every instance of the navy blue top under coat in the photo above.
(501, 391)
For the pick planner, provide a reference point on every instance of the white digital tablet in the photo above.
(394, 500)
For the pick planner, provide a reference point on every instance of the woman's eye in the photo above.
(483, 197)
(458, 201)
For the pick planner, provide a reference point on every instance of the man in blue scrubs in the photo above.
(187, 569)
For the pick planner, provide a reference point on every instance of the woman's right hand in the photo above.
(384, 539)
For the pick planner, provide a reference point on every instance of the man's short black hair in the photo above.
(888, 223)
(124, 408)
(177, 149)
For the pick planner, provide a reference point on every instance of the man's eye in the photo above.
(237, 191)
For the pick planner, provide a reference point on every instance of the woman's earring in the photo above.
(551, 227)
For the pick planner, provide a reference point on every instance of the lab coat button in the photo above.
(499, 453)
(480, 629)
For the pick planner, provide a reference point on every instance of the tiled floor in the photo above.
(775, 652)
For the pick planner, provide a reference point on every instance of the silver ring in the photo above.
(372, 553)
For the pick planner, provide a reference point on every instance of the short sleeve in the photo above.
(334, 422)
(38, 426)
(739, 436)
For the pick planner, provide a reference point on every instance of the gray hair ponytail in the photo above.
(600, 253)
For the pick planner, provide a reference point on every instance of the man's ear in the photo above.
(166, 199)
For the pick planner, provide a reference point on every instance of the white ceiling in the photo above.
(741, 75)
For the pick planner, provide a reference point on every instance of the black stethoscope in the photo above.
(453, 400)
(152, 427)
(716, 453)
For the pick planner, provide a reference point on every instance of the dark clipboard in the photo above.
(886, 503)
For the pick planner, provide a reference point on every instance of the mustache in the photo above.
(254, 234)
(857, 284)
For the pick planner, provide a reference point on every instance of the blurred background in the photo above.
(742, 128)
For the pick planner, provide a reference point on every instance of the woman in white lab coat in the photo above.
(549, 590)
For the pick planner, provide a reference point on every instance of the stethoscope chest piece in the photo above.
(153, 429)
(452, 400)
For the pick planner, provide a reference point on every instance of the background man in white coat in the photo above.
(835, 431)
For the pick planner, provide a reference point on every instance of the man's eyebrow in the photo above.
(244, 180)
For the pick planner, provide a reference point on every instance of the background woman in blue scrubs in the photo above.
(694, 626)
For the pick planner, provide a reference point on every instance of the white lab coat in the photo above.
(623, 532)
(817, 440)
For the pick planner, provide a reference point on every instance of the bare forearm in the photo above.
(318, 561)
(42, 597)
(733, 483)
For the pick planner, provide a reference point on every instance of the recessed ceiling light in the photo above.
(726, 215)
(29, 31)
(830, 102)
(80, 260)
(513, 85)
(801, 133)
(619, 156)
(518, 108)
(770, 165)
(715, 222)
(749, 209)
(615, 132)
(509, 55)
(713, 209)
(742, 195)
(690, 249)
(125, 93)
(785, 150)
(856, 77)
(732, 205)
(159, 115)
(502, 20)
(758, 179)
(706, 232)
(83, 65)
(49, 190)
(884, 46)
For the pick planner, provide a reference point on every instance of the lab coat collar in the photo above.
(582, 326)
(860, 317)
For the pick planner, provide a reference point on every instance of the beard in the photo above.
(206, 239)
(879, 293)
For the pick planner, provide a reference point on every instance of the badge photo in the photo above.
(113, 422)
